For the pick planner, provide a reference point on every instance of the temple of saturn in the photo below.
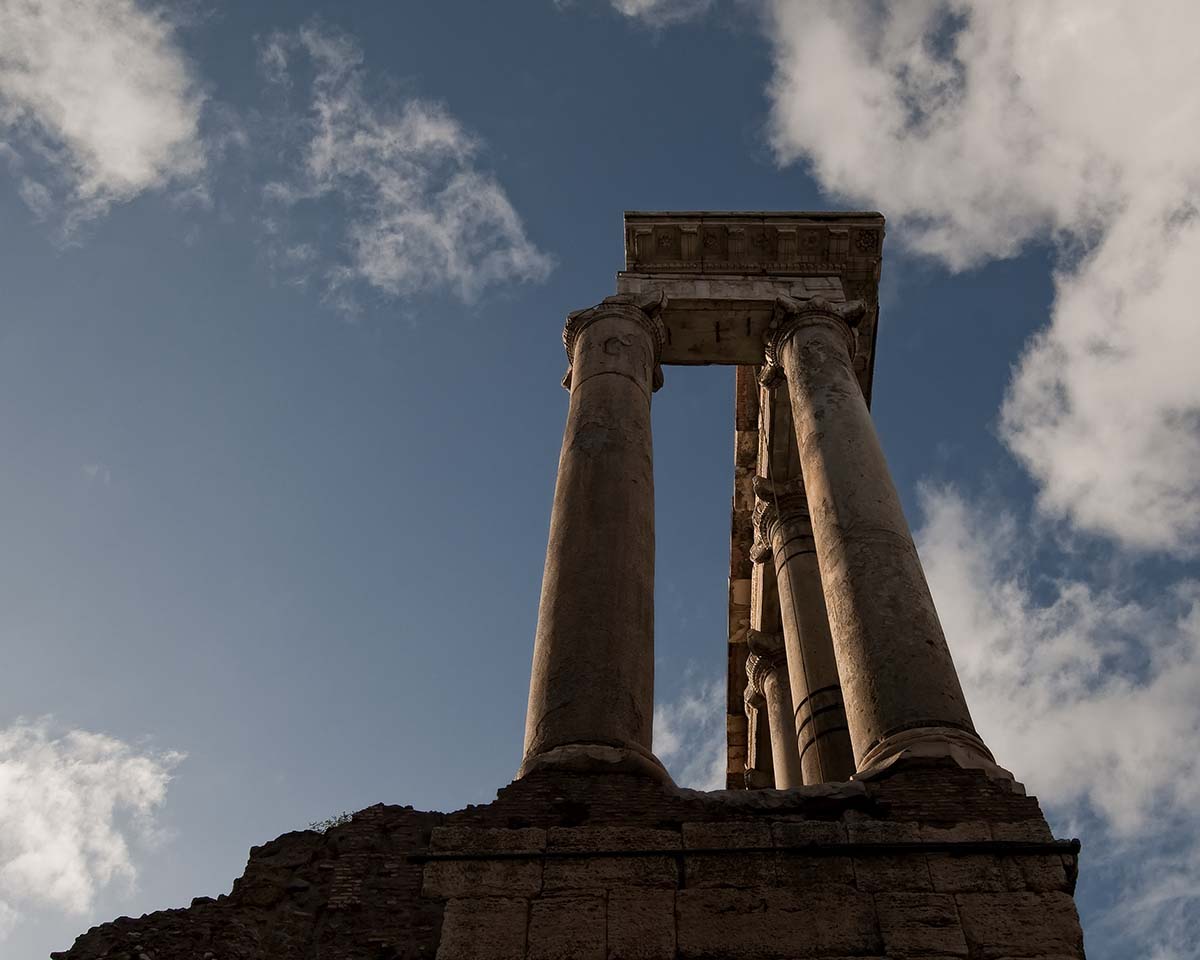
(864, 816)
(837, 662)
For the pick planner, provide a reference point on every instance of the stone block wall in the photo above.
(931, 863)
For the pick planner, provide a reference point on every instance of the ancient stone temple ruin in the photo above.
(864, 816)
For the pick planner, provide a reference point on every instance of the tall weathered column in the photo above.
(591, 695)
(902, 693)
(783, 534)
(766, 671)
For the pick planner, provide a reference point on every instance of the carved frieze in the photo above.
(761, 243)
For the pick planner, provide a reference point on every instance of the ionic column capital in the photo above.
(767, 654)
(791, 315)
(776, 502)
(644, 310)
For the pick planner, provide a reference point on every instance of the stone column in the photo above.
(783, 533)
(591, 694)
(760, 772)
(902, 694)
(766, 669)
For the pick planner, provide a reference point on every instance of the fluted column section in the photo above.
(591, 694)
(783, 534)
(902, 693)
(766, 671)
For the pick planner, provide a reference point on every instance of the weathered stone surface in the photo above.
(774, 924)
(593, 839)
(567, 928)
(959, 874)
(901, 691)
(603, 873)
(957, 832)
(641, 924)
(797, 870)
(592, 682)
(920, 924)
(454, 839)
(883, 874)
(479, 878)
(1029, 831)
(735, 869)
(799, 833)
(1002, 925)
(490, 928)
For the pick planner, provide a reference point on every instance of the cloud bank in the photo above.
(1090, 696)
(97, 105)
(984, 127)
(71, 809)
(418, 213)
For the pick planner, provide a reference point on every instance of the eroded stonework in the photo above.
(933, 862)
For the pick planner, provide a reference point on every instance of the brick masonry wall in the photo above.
(933, 862)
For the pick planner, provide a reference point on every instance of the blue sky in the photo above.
(282, 286)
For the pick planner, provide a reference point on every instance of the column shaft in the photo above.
(822, 737)
(902, 693)
(766, 670)
(591, 696)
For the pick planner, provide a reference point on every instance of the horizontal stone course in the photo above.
(486, 840)
(602, 873)
(567, 928)
(491, 928)
(811, 905)
(587, 839)
(999, 926)
(774, 924)
(920, 924)
(641, 924)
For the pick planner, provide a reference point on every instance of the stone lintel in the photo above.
(723, 270)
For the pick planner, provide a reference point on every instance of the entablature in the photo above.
(722, 271)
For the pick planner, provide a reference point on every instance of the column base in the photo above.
(932, 743)
(597, 758)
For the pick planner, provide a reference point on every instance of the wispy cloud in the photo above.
(689, 733)
(982, 127)
(72, 808)
(662, 12)
(1090, 695)
(418, 212)
(97, 104)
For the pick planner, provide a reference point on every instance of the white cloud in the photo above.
(1091, 696)
(662, 12)
(98, 103)
(689, 734)
(419, 213)
(982, 127)
(70, 808)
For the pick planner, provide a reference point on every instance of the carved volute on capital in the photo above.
(767, 654)
(790, 315)
(775, 502)
(643, 309)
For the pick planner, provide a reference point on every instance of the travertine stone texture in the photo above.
(591, 695)
(723, 269)
(741, 571)
(902, 693)
(784, 536)
(632, 868)
(766, 670)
